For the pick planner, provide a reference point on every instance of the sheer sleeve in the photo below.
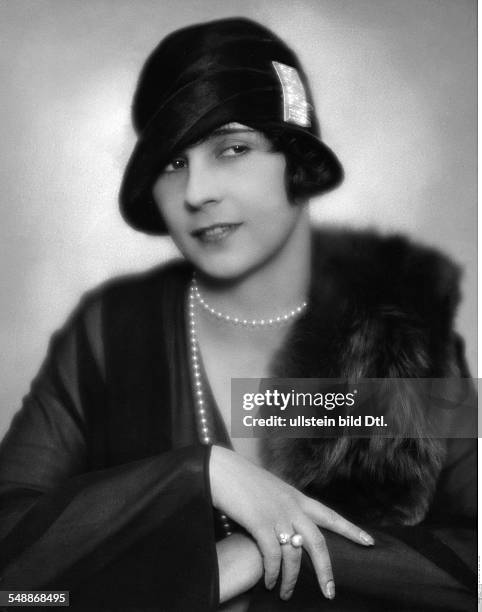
(389, 576)
(133, 534)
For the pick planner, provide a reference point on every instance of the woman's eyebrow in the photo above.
(222, 131)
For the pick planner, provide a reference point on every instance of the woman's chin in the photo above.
(220, 274)
(222, 271)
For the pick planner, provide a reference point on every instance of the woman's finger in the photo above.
(329, 519)
(290, 565)
(270, 549)
(314, 543)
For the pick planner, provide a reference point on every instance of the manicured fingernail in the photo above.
(270, 584)
(286, 594)
(366, 539)
(330, 589)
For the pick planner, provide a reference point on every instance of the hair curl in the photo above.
(307, 171)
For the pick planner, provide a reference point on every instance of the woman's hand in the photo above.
(267, 507)
(240, 566)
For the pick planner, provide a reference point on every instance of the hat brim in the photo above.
(184, 120)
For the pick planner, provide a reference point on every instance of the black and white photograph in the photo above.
(213, 213)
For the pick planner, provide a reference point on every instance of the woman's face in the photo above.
(225, 204)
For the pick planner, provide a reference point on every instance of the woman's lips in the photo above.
(215, 233)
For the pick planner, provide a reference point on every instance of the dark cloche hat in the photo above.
(201, 77)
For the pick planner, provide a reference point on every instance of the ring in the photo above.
(296, 540)
(284, 538)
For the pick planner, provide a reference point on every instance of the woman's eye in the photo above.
(176, 164)
(234, 150)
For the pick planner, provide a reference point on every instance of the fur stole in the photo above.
(379, 307)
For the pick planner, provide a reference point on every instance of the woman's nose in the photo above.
(202, 187)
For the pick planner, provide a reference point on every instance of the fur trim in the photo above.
(380, 307)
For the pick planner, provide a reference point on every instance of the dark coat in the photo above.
(379, 308)
(104, 485)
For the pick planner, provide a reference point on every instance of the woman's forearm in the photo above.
(240, 566)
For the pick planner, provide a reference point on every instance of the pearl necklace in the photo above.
(204, 425)
(279, 320)
(202, 419)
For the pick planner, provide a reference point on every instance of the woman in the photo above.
(111, 472)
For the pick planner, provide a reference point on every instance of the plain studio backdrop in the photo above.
(395, 88)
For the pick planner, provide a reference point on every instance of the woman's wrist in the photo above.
(240, 565)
